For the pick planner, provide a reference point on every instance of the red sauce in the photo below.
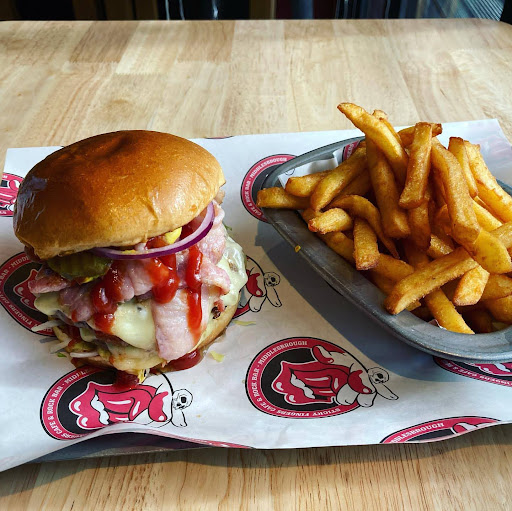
(193, 280)
(165, 278)
(105, 296)
(163, 273)
(185, 362)
(125, 381)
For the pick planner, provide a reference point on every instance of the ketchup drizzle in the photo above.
(105, 296)
(163, 273)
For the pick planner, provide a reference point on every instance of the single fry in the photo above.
(386, 285)
(308, 214)
(341, 244)
(383, 116)
(432, 276)
(498, 286)
(279, 198)
(419, 223)
(439, 193)
(361, 207)
(445, 313)
(438, 247)
(442, 221)
(407, 134)
(303, 186)
(490, 253)
(440, 306)
(465, 227)
(394, 219)
(479, 320)
(366, 250)
(332, 220)
(359, 186)
(471, 287)
(504, 234)
(485, 218)
(489, 190)
(501, 309)
(332, 184)
(375, 129)
(458, 149)
(393, 269)
(418, 169)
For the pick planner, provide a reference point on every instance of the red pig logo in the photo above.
(312, 378)
(8, 192)
(101, 405)
(88, 399)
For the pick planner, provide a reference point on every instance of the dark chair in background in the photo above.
(254, 9)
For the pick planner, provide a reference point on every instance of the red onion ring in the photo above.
(192, 239)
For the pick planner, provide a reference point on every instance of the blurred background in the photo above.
(252, 9)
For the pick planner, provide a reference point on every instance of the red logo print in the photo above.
(260, 287)
(499, 373)
(438, 430)
(8, 192)
(99, 405)
(15, 295)
(88, 399)
(312, 378)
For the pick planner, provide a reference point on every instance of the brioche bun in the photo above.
(115, 189)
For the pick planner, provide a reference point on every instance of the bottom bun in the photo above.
(220, 325)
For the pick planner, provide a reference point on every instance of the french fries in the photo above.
(366, 250)
(377, 131)
(441, 308)
(418, 170)
(498, 286)
(471, 287)
(303, 186)
(419, 224)
(394, 219)
(361, 207)
(429, 225)
(432, 276)
(332, 184)
(279, 198)
(489, 190)
(464, 225)
(332, 220)
(407, 134)
(458, 149)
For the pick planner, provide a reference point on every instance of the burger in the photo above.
(138, 272)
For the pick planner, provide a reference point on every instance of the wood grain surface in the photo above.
(60, 82)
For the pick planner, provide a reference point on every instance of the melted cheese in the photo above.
(133, 323)
(233, 263)
(48, 303)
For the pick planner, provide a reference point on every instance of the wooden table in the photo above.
(60, 82)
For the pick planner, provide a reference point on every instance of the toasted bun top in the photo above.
(115, 189)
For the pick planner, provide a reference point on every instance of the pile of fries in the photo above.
(429, 225)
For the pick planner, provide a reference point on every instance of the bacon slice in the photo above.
(47, 281)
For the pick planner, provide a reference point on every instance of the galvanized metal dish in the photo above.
(494, 347)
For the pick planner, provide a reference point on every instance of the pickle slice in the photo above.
(80, 265)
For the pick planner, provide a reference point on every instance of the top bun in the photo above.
(115, 189)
